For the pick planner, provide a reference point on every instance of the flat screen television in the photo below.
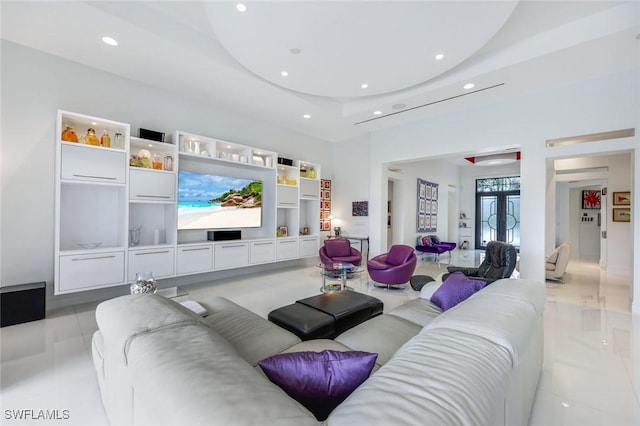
(208, 201)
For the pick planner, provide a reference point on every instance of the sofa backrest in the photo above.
(460, 368)
(399, 254)
(564, 254)
(499, 261)
(338, 247)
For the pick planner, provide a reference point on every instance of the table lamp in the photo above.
(330, 224)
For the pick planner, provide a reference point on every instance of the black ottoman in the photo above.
(418, 281)
(348, 308)
(304, 322)
(326, 315)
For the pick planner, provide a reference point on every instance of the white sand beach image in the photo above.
(219, 217)
(210, 202)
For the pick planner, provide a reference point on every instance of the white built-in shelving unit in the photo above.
(103, 192)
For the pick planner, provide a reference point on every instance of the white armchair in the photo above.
(556, 263)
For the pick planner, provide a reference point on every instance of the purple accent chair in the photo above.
(393, 268)
(339, 250)
(432, 244)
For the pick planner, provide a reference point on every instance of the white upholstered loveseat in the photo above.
(475, 364)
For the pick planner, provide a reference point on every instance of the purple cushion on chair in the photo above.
(399, 254)
(319, 380)
(426, 241)
(337, 247)
(455, 289)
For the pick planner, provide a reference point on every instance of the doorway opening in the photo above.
(498, 211)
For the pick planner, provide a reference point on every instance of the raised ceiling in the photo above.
(211, 52)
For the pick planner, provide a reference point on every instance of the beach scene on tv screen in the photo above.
(209, 202)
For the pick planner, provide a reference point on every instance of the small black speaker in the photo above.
(224, 235)
(285, 161)
(151, 135)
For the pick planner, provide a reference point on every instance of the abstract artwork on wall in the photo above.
(590, 199)
(360, 208)
(427, 206)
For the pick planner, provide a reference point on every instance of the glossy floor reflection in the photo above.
(590, 374)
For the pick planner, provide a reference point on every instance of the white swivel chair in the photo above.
(556, 263)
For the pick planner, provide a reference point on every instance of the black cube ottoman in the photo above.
(327, 315)
(304, 322)
(348, 308)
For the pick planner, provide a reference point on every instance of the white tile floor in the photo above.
(590, 374)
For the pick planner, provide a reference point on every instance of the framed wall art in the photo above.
(325, 204)
(427, 206)
(360, 208)
(622, 198)
(622, 214)
(590, 199)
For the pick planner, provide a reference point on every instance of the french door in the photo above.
(497, 211)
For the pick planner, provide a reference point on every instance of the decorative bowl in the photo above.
(88, 246)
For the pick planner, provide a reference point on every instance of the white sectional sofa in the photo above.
(476, 364)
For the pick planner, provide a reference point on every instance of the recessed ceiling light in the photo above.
(439, 56)
(110, 41)
(241, 7)
(284, 73)
(469, 86)
(94, 123)
(377, 112)
(295, 51)
(306, 116)
(399, 106)
(364, 85)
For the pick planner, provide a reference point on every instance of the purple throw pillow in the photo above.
(455, 289)
(426, 241)
(319, 380)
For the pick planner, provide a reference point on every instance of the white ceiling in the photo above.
(210, 52)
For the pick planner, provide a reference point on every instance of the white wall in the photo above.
(585, 107)
(351, 183)
(562, 219)
(35, 85)
(437, 171)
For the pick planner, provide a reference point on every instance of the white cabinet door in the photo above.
(287, 196)
(308, 246)
(92, 164)
(152, 185)
(86, 271)
(157, 261)
(262, 252)
(197, 258)
(231, 254)
(287, 249)
(309, 189)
